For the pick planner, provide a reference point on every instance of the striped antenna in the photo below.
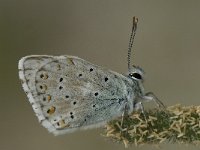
(133, 32)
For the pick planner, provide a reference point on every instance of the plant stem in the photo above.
(176, 124)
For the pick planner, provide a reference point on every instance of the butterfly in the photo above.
(68, 93)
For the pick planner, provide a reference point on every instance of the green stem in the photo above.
(176, 124)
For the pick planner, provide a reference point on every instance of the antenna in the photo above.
(133, 32)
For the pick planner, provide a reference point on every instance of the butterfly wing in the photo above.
(68, 93)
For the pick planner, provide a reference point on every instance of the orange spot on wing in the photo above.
(49, 98)
(51, 110)
(62, 124)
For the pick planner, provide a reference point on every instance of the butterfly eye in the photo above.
(136, 75)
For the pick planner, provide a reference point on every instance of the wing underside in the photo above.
(68, 93)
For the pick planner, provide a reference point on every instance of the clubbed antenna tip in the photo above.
(135, 21)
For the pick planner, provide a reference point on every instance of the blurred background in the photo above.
(167, 47)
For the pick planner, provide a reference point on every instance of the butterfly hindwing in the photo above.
(68, 93)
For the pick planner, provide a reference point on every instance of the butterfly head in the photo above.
(136, 73)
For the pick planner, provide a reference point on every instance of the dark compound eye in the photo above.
(135, 75)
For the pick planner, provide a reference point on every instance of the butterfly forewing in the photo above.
(68, 93)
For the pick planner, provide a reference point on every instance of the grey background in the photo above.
(166, 47)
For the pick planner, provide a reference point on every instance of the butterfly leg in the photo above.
(139, 106)
(123, 114)
(122, 120)
(151, 97)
